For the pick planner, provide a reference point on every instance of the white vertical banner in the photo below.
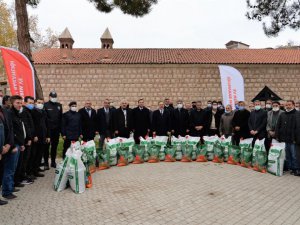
(232, 83)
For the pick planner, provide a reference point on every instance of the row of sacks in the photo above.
(77, 167)
(122, 151)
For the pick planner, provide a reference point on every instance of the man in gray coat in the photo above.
(226, 128)
(272, 119)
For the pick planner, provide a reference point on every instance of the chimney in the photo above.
(236, 45)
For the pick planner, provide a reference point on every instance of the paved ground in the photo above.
(163, 193)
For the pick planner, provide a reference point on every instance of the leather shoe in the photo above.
(46, 167)
(2, 202)
(9, 197)
(39, 175)
(19, 185)
(53, 164)
(16, 190)
(297, 173)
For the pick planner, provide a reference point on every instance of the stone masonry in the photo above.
(154, 82)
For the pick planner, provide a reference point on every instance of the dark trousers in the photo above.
(106, 134)
(213, 132)
(19, 176)
(67, 144)
(1, 169)
(137, 136)
(54, 139)
(37, 152)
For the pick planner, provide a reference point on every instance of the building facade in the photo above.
(154, 74)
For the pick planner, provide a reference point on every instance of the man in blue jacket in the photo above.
(71, 127)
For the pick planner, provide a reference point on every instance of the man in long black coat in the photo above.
(104, 122)
(180, 120)
(198, 121)
(161, 121)
(240, 124)
(140, 121)
(122, 121)
(88, 121)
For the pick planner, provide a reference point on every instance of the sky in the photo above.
(170, 24)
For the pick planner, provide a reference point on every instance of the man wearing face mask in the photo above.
(257, 122)
(180, 120)
(286, 129)
(22, 174)
(273, 116)
(71, 126)
(168, 104)
(240, 124)
(40, 143)
(269, 105)
(221, 107)
(208, 106)
(226, 128)
(122, 121)
(213, 120)
(54, 116)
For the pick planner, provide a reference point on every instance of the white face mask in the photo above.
(275, 109)
(53, 100)
(297, 108)
(74, 108)
(268, 106)
(39, 106)
(1, 99)
(179, 106)
(21, 110)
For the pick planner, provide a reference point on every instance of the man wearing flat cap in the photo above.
(71, 129)
(54, 117)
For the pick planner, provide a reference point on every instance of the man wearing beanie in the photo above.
(71, 126)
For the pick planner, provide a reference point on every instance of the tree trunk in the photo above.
(24, 39)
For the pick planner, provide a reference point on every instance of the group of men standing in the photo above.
(29, 128)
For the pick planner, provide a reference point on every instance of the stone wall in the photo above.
(155, 82)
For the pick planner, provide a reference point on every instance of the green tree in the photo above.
(280, 14)
(7, 33)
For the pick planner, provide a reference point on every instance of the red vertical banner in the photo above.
(20, 73)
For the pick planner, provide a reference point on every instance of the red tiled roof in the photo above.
(169, 56)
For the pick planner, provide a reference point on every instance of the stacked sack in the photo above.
(71, 170)
(276, 158)
(156, 150)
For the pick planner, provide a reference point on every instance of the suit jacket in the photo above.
(240, 119)
(141, 120)
(161, 124)
(40, 120)
(102, 125)
(258, 121)
(217, 116)
(198, 118)
(71, 125)
(88, 124)
(180, 121)
(119, 122)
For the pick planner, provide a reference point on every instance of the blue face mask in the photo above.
(30, 106)
(241, 107)
(237, 107)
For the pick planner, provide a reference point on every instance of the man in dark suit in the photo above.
(240, 124)
(104, 122)
(140, 121)
(168, 104)
(180, 120)
(122, 120)
(198, 120)
(161, 121)
(88, 121)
